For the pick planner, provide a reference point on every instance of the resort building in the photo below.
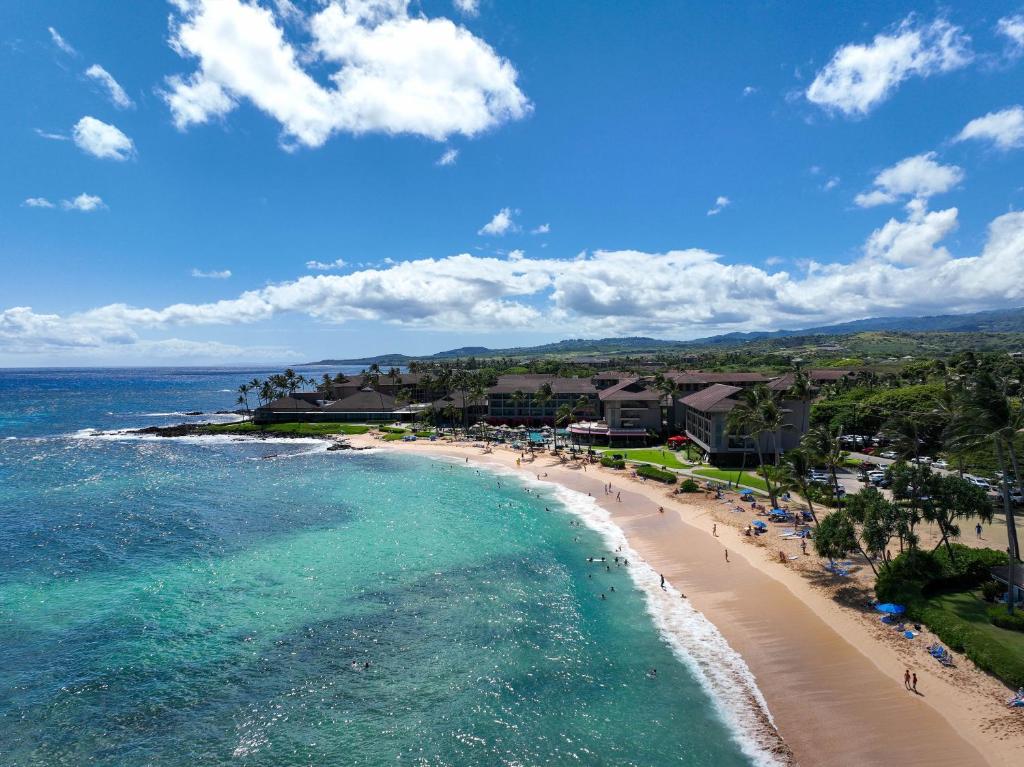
(519, 400)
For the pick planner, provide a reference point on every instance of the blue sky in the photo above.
(220, 181)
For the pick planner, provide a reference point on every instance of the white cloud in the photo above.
(60, 42)
(468, 7)
(211, 275)
(831, 183)
(84, 202)
(542, 229)
(500, 224)
(114, 90)
(102, 140)
(903, 269)
(326, 266)
(1012, 27)
(919, 177)
(392, 72)
(859, 77)
(516, 255)
(749, 90)
(1004, 128)
(721, 203)
(52, 136)
(37, 202)
(449, 157)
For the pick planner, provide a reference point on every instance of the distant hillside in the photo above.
(998, 321)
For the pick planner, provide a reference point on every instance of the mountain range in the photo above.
(992, 321)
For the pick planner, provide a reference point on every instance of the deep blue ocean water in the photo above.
(202, 601)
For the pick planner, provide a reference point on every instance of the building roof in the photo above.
(714, 399)
(402, 379)
(630, 389)
(1003, 573)
(290, 403)
(531, 383)
(708, 377)
(363, 401)
(456, 400)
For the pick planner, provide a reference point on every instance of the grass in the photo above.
(652, 455)
(723, 475)
(961, 621)
(967, 606)
(294, 429)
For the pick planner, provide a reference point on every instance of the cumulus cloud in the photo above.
(222, 274)
(904, 268)
(500, 224)
(918, 177)
(542, 229)
(721, 203)
(749, 90)
(859, 77)
(1005, 128)
(37, 202)
(391, 72)
(326, 266)
(449, 157)
(468, 7)
(60, 42)
(831, 183)
(1012, 28)
(102, 140)
(115, 92)
(85, 203)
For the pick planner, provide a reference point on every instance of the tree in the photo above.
(757, 414)
(562, 416)
(516, 398)
(879, 519)
(543, 396)
(835, 536)
(802, 389)
(670, 388)
(824, 445)
(243, 398)
(792, 474)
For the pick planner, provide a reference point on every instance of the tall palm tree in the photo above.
(824, 445)
(243, 399)
(562, 416)
(516, 398)
(737, 424)
(803, 389)
(543, 396)
(670, 388)
(754, 416)
(792, 475)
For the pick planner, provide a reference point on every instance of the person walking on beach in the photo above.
(727, 555)
(663, 581)
(906, 678)
(661, 509)
(913, 682)
(977, 530)
(714, 529)
(618, 497)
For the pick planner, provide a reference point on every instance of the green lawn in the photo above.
(723, 475)
(653, 455)
(297, 429)
(968, 606)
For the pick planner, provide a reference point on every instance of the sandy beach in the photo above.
(831, 673)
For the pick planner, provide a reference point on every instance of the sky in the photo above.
(279, 181)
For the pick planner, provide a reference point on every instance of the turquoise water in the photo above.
(202, 601)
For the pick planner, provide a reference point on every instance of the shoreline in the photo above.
(830, 674)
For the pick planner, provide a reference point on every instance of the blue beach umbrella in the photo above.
(759, 524)
(890, 608)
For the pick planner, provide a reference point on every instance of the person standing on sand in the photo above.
(913, 683)
(663, 581)
(977, 530)
(727, 555)
(661, 509)
(618, 497)
(906, 678)
(714, 529)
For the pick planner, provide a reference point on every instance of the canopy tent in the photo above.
(678, 439)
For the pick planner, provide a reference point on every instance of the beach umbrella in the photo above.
(890, 608)
(759, 524)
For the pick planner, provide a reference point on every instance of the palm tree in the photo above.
(543, 396)
(751, 417)
(792, 475)
(824, 445)
(562, 416)
(516, 398)
(670, 388)
(802, 389)
(737, 424)
(243, 399)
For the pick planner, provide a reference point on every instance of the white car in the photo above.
(888, 454)
(942, 463)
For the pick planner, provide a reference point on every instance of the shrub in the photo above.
(992, 590)
(987, 653)
(613, 463)
(969, 567)
(657, 474)
(998, 615)
(904, 579)
(689, 486)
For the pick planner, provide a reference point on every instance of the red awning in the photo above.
(678, 438)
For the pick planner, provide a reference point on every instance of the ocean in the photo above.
(217, 601)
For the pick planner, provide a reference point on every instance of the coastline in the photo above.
(830, 674)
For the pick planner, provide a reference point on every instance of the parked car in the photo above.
(888, 454)
(942, 463)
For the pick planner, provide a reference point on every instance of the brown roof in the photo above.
(829, 374)
(701, 376)
(530, 384)
(456, 399)
(714, 399)
(363, 401)
(630, 389)
(290, 403)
